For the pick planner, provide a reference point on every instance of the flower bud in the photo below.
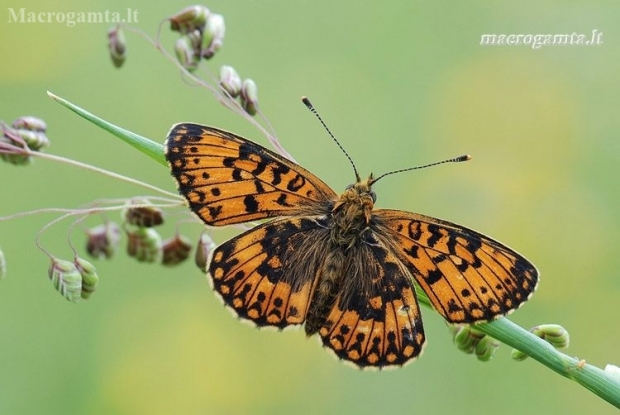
(90, 279)
(205, 248)
(486, 348)
(186, 51)
(176, 250)
(213, 35)
(554, 334)
(145, 245)
(117, 45)
(66, 279)
(35, 140)
(189, 19)
(466, 338)
(30, 123)
(518, 355)
(249, 96)
(103, 240)
(230, 80)
(142, 216)
(13, 148)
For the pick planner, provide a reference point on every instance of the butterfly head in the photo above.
(357, 201)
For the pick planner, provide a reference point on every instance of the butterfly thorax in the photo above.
(352, 213)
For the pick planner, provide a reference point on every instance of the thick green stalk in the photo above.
(592, 378)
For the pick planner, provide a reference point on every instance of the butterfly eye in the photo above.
(373, 195)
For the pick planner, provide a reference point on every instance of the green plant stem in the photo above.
(591, 377)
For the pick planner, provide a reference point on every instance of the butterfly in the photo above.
(333, 262)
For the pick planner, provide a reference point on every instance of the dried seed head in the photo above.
(187, 53)
(213, 35)
(249, 96)
(230, 80)
(90, 279)
(117, 45)
(103, 240)
(28, 122)
(142, 216)
(189, 19)
(176, 250)
(66, 279)
(144, 244)
(205, 248)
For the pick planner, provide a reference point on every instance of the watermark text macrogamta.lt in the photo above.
(72, 18)
(539, 40)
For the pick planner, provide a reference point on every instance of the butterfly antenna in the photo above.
(459, 159)
(308, 104)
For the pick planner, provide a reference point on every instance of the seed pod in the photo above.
(145, 245)
(230, 80)
(103, 240)
(249, 96)
(213, 35)
(144, 216)
(117, 45)
(176, 250)
(35, 140)
(189, 19)
(486, 348)
(90, 279)
(66, 279)
(14, 149)
(28, 122)
(186, 52)
(205, 248)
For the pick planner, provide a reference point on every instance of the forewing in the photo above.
(375, 321)
(267, 274)
(467, 276)
(227, 179)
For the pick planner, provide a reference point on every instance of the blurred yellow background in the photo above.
(400, 84)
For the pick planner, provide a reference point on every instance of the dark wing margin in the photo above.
(227, 179)
(467, 276)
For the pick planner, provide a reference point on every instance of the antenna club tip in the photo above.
(306, 101)
(465, 157)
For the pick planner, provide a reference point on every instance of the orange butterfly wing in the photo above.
(467, 276)
(228, 179)
(267, 274)
(375, 322)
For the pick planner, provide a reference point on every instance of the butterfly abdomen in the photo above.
(324, 296)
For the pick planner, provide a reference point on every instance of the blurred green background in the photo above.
(400, 84)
